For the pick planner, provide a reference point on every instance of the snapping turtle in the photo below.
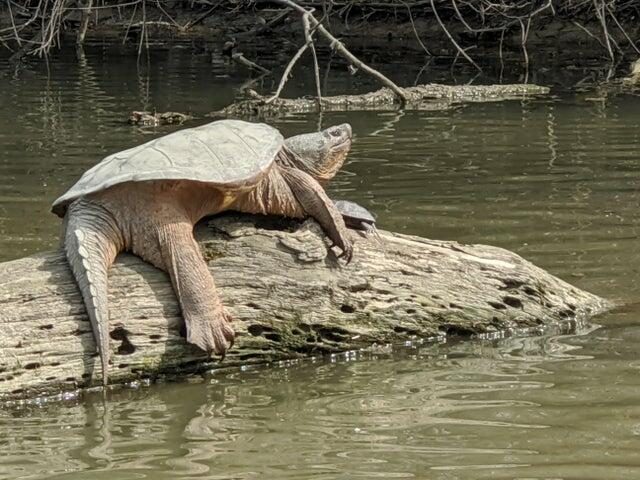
(147, 199)
(356, 216)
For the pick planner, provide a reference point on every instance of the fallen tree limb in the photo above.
(420, 97)
(289, 297)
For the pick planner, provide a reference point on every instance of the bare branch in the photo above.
(316, 69)
(601, 16)
(444, 28)
(84, 22)
(415, 32)
(238, 57)
(631, 42)
(338, 46)
(287, 72)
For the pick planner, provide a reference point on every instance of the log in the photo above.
(420, 97)
(290, 297)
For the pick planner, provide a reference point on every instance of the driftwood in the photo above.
(157, 118)
(288, 293)
(420, 97)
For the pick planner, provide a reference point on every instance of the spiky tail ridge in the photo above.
(90, 244)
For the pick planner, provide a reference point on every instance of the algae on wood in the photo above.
(289, 299)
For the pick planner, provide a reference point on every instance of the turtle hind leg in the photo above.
(91, 243)
(176, 251)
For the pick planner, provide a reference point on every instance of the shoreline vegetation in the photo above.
(528, 33)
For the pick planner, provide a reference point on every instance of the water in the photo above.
(554, 179)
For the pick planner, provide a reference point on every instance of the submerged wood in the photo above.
(420, 97)
(289, 295)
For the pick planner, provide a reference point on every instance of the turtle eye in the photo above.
(335, 132)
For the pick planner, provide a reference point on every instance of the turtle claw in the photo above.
(347, 254)
(213, 334)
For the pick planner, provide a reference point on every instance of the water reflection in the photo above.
(473, 408)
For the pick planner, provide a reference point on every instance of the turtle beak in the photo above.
(341, 136)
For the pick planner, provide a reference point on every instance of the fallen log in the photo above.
(288, 293)
(421, 97)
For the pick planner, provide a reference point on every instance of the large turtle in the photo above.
(147, 199)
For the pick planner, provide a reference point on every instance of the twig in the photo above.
(266, 26)
(50, 27)
(460, 17)
(126, 33)
(182, 28)
(603, 22)
(84, 22)
(415, 32)
(586, 30)
(203, 16)
(13, 25)
(316, 68)
(238, 57)
(143, 31)
(500, 54)
(460, 49)
(524, 34)
(623, 30)
(287, 72)
(339, 47)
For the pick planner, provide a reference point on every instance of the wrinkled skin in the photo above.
(155, 221)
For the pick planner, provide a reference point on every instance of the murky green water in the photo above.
(554, 179)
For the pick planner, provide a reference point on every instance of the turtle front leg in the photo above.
(315, 203)
(207, 323)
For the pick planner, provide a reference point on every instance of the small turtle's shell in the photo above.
(354, 212)
(227, 153)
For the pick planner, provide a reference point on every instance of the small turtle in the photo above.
(147, 199)
(357, 217)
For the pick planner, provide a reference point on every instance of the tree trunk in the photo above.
(289, 295)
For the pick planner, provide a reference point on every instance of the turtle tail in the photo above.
(90, 244)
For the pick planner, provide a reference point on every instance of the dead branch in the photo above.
(238, 57)
(84, 22)
(308, 35)
(415, 32)
(203, 16)
(287, 71)
(601, 16)
(338, 46)
(622, 30)
(453, 41)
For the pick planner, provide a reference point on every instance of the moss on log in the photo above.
(288, 293)
(420, 97)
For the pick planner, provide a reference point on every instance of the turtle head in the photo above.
(321, 154)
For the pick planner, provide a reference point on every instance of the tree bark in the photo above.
(288, 293)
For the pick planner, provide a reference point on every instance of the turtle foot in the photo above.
(212, 333)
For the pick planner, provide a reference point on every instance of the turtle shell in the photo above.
(225, 153)
(353, 211)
